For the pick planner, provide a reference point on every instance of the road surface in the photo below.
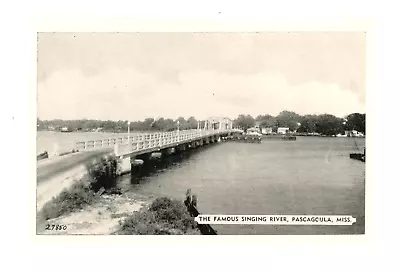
(51, 167)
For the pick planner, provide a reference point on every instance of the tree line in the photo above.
(149, 124)
(324, 124)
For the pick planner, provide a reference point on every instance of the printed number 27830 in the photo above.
(56, 227)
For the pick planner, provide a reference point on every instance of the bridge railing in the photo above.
(100, 143)
(137, 142)
(160, 140)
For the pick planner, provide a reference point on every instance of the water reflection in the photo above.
(273, 177)
(159, 164)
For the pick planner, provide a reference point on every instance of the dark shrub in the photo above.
(102, 172)
(164, 216)
(75, 198)
(161, 203)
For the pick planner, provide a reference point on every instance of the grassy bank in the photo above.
(101, 176)
(75, 198)
(164, 216)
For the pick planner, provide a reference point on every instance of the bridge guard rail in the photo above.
(140, 142)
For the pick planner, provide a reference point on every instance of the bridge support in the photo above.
(156, 155)
(194, 144)
(181, 148)
(128, 164)
(149, 162)
(124, 165)
(213, 139)
(144, 157)
(167, 152)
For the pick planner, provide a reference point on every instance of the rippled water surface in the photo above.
(309, 176)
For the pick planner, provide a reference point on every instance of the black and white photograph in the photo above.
(201, 133)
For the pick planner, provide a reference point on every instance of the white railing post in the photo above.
(116, 149)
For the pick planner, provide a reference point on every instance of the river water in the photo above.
(313, 175)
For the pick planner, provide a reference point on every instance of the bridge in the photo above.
(142, 145)
(139, 146)
(129, 149)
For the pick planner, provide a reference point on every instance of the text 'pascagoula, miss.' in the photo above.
(276, 219)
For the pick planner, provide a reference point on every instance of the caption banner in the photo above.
(336, 220)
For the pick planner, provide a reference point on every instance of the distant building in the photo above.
(253, 131)
(266, 131)
(283, 130)
(65, 129)
(353, 133)
(217, 123)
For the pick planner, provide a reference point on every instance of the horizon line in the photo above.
(158, 117)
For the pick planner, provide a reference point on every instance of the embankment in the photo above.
(102, 217)
(88, 202)
(117, 214)
(50, 188)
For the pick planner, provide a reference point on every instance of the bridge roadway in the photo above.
(124, 147)
(152, 142)
(51, 167)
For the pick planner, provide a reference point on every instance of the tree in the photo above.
(159, 124)
(244, 121)
(147, 123)
(266, 120)
(308, 124)
(191, 123)
(288, 119)
(356, 121)
(182, 123)
(39, 124)
(329, 125)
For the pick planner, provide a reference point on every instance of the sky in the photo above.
(132, 76)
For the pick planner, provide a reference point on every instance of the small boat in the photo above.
(43, 155)
(358, 156)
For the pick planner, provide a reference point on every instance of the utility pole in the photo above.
(129, 131)
(178, 130)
